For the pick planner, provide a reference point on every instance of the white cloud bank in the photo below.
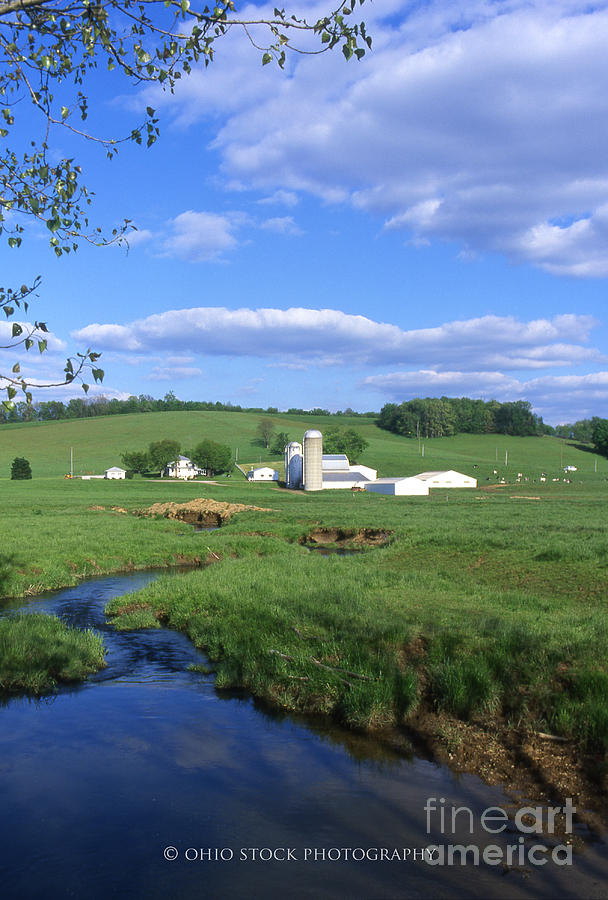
(477, 122)
(557, 398)
(332, 337)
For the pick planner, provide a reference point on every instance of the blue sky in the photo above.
(432, 220)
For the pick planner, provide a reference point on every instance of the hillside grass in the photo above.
(98, 443)
(483, 603)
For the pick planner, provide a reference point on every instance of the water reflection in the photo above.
(98, 780)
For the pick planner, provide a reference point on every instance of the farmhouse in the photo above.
(263, 473)
(182, 467)
(449, 479)
(115, 472)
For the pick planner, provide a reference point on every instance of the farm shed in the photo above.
(345, 480)
(264, 473)
(399, 487)
(449, 479)
(339, 473)
(115, 472)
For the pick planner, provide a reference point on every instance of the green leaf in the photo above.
(85, 388)
(42, 346)
(17, 329)
(266, 59)
(98, 374)
(11, 392)
(16, 368)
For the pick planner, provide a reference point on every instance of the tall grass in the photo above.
(38, 651)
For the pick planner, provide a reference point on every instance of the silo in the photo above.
(313, 460)
(293, 465)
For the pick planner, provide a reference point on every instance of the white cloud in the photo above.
(331, 337)
(282, 225)
(173, 373)
(280, 198)
(477, 122)
(201, 236)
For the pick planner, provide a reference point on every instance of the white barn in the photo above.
(447, 479)
(399, 487)
(182, 467)
(339, 473)
(263, 473)
(115, 472)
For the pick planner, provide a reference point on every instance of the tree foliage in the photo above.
(212, 457)
(136, 461)
(344, 440)
(265, 431)
(162, 452)
(600, 436)
(444, 416)
(279, 442)
(20, 469)
(50, 50)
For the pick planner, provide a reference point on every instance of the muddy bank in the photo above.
(532, 766)
(347, 537)
(198, 512)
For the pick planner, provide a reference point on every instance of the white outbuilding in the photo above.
(264, 473)
(449, 479)
(339, 473)
(399, 487)
(115, 472)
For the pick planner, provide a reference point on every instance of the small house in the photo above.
(115, 472)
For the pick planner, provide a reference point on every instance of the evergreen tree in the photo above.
(20, 469)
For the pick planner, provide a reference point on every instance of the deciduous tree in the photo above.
(162, 452)
(265, 431)
(212, 457)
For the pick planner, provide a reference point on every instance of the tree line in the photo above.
(90, 407)
(444, 416)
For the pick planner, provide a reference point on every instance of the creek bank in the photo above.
(347, 537)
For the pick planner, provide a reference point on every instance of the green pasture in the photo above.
(97, 444)
(487, 602)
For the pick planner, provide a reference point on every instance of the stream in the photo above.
(145, 781)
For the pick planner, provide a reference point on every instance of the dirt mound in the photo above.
(199, 512)
(366, 537)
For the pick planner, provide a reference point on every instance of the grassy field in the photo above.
(97, 444)
(488, 602)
